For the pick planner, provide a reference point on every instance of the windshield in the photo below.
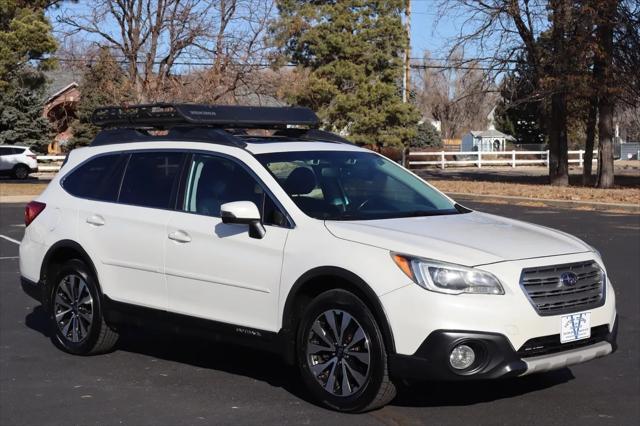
(344, 185)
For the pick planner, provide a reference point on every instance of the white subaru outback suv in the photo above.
(350, 266)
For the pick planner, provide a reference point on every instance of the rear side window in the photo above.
(151, 179)
(97, 179)
(10, 151)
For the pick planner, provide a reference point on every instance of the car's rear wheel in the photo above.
(21, 171)
(341, 354)
(76, 312)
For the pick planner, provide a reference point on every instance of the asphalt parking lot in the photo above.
(168, 380)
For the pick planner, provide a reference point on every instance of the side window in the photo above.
(214, 181)
(151, 178)
(97, 179)
(4, 151)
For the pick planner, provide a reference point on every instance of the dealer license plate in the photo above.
(575, 327)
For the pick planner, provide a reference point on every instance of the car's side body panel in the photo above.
(223, 274)
(57, 222)
(127, 248)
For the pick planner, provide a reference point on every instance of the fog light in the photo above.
(462, 356)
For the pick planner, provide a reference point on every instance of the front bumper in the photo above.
(496, 358)
(414, 313)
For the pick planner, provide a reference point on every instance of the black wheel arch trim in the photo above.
(21, 165)
(287, 333)
(46, 263)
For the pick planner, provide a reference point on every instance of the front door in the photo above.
(215, 270)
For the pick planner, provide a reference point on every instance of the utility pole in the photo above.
(407, 53)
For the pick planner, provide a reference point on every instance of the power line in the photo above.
(123, 61)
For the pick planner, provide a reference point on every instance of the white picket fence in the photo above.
(480, 159)
(47, 163)
(52, 163)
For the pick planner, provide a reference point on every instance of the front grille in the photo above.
(551, 344)
(550, 296)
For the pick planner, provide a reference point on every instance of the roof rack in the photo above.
(204, 123)
(313, 135)
(168, 115)
(191, 134)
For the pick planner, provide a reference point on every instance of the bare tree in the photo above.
(460, 98)
(239, 54)
(557, 85)
(626, 55)
(499, 32)
(161, 41)
(604, 70)
(629, 121)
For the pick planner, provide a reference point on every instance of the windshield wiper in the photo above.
(389, 215)
(420, 213)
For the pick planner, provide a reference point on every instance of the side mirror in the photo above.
(245, 213)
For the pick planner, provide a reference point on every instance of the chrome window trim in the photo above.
(187, 151)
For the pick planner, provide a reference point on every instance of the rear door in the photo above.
(215, 270)
(127, 236)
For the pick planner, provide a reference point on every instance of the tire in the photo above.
(76, 312)
(21, 172)
(362, 359)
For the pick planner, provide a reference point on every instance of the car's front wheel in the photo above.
(76, 312)
(341, 354)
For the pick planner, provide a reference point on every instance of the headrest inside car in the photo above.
(300, 181)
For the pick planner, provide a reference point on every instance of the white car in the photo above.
(350, 266)
(17, 161)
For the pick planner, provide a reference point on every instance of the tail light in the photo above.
(32, 211)
(33, 156)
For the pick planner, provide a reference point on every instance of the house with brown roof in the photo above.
(60, 109)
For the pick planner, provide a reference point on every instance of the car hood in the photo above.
(469, 239)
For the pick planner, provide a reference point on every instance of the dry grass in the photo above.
(9, 188)
(616, 195)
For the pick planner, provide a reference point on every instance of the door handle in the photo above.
(180, 236)
(95, 220)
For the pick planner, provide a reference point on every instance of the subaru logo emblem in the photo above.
(568, 279)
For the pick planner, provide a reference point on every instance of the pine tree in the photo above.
(21, 120)
(25, 35)
(426, 135)
(25, 43)
(353, 50)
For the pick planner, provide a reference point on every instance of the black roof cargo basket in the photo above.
(220, 124)
(167, 115)
(191, 134)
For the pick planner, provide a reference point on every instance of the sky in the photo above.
(427, 33)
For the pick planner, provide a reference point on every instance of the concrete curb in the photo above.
(564, 204)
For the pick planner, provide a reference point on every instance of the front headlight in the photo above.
(446, 277)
